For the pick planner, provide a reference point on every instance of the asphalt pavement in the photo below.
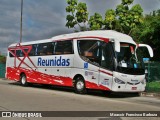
(14, 97)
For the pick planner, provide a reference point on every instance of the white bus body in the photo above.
(103, 60)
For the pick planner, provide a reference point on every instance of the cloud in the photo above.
(148, 5)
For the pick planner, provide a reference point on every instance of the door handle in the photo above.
(93, 77)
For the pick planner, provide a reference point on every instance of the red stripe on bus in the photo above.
(106, 72)
(91, 85)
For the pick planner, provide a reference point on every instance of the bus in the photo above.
(103, 60)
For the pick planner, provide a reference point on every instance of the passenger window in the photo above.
(63, 47)
(33, 51)
(10, 54)
(44, 49)
(50, 48)
(107, 56)
(89, 49)
(19, 53)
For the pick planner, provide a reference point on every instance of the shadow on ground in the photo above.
(89, 92)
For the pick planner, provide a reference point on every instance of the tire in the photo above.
(137, 94)
(79, 85)
(23, 80)
(106, 93)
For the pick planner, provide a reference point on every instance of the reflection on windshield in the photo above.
(127, 60)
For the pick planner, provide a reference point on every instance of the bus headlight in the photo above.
(119, 81)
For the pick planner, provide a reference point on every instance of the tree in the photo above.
(123, 19)
(148, 32)
(78, 15)
(129, 18)
(96, 22)
(110, 19)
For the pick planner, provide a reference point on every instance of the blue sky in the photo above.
(46, 18)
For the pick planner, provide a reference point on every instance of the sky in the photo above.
(43, 19)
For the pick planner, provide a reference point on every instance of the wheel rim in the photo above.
(23, 80)
(80, 85)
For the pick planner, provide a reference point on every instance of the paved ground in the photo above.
(14, 97)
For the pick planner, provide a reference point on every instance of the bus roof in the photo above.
(110, 34)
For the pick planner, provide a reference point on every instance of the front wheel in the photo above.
(23, 80)
(79, 86)
(106, 93)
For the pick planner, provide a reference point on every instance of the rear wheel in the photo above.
(79, 85)
(23, 80)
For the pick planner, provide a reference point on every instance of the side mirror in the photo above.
(117, 45)
(148, 47)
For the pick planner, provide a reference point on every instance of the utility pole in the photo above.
(21, 21)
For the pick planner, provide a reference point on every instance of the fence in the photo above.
(2, 70)
(153, 77)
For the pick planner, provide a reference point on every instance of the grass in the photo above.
(153, 86)
(2, 59)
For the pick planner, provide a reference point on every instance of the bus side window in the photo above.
(19, 53)
(40, 50)
(63, 47)
(33, 50)
(44, 49)
(50, 48)
(90, 49)
(10, 54)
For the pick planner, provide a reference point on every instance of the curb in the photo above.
(145, 94)
(3, 78)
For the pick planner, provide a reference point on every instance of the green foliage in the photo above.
(127, 2)
(110, 19)
(123, 19)
(96, 22)
(77, 14)
(129, 18)
(82, 14)
(2, 59)
(148, 32)
(153, 86)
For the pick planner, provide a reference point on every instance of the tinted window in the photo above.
(63, 47)
(10, 54)
(89, 50)
(19, 53)
(33, 51)
(42, 49)
(107, 56)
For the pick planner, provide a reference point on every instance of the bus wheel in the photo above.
(80, 86)
(106, 93)
(23, 80)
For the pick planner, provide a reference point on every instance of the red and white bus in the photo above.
(105, 60)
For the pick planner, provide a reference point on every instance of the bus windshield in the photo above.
(127, 60)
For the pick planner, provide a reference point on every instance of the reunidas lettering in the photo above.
(53, 62)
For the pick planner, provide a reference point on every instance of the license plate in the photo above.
(134, 88)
